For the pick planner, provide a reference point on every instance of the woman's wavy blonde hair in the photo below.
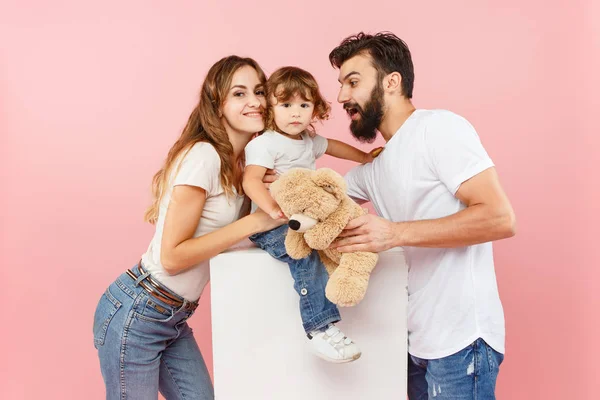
(204, 125)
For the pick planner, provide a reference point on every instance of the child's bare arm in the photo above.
(338, 149)
(256, 190)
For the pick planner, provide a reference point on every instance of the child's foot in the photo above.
(333, 346)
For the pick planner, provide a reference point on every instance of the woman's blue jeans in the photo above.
(146, 346)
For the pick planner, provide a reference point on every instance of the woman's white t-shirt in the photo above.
(200, 167)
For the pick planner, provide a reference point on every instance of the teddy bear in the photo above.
(318, 209)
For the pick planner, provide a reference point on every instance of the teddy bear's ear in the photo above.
(329, 189)
(330, 181)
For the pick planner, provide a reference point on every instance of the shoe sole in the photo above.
(336, 361)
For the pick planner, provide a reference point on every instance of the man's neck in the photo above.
(395, 115)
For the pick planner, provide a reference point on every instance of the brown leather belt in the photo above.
(155, 289)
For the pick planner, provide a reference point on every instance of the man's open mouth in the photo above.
(352, 111)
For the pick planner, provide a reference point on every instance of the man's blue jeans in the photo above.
(310, 279)
(469, 374)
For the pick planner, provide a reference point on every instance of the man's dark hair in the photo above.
(388, 51)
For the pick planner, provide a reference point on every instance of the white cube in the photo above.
(261, 352)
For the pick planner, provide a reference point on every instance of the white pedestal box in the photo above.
(260, 351)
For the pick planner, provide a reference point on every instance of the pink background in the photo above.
(93, 95)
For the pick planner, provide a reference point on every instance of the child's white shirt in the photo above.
(273, 150)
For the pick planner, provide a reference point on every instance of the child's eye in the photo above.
(305, 105)
(286, 105)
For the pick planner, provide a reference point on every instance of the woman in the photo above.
(144, 342)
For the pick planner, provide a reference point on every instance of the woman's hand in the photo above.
(269, 177)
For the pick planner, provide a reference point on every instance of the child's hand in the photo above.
(276, 213)
(370, 156)
(264, 222)
(375, 152)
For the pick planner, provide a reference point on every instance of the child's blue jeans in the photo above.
(310, 279)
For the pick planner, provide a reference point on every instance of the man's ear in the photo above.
(393, 82)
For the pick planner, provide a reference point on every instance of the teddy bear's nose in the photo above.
(294, 225)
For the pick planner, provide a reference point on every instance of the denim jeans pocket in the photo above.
(277, 249)
(273, 242)
(105, 311)
(494, 358)
(418, 361)
(150, 311)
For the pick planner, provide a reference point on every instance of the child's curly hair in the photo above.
(289, 81)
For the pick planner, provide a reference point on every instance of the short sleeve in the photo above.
(455, 151)
(200, 167)
(258, 152)
(355, 180)
(319, 145)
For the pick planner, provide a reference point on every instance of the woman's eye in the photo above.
(353, 83)
(239, 94)
(260, 93)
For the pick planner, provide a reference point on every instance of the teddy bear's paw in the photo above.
(345, 290)
(316, 242)
(330, 268)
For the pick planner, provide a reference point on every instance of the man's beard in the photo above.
(364, 129)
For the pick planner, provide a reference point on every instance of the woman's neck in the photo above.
(238, 142)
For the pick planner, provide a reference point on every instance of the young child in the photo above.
(290, 142)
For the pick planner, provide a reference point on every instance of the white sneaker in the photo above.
(333, 346)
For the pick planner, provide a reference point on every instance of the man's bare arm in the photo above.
(489, 216)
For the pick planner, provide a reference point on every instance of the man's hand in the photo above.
(270, 177)
(368, 233)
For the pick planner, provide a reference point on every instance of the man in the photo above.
(437, 194)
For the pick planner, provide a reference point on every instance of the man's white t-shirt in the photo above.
(273, 150)
(200, 167)
(453, 294)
